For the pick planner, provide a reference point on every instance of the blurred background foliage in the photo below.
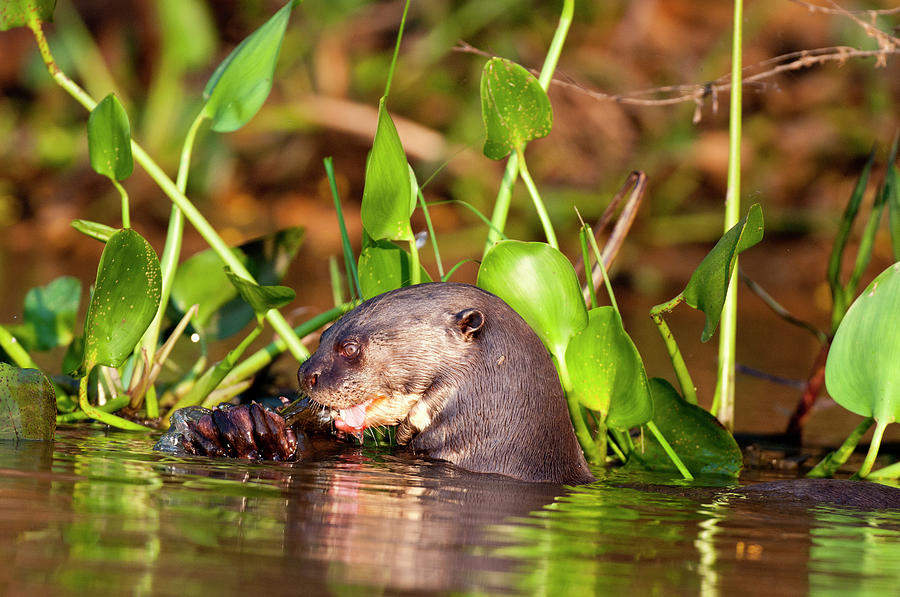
(806, 135)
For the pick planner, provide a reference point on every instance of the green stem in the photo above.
(834, 460)
(415, 271)
(94, 413)
(504, 193)
(502, 202)
(669, 451)
(681, 371)
(431, 236)
(866, 468)
(13, 348)
(723, 403)
(586, 259)
(538, 202)
(598, 255)
(337, 291)
(126, 214)
(349, 258)
(390, 78)
(274, 317)
(592, 452)
(111, 406)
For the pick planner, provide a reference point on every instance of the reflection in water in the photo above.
(101, 512)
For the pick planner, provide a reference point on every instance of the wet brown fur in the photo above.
(465, 377)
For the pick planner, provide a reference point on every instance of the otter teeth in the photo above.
(352, 419)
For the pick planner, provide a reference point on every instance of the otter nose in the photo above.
(307, 377)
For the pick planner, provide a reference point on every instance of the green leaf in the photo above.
(201, 280)
(16, 13)
(862, 372)
(540, 284)
(388, 195)
(607, 373)
(96, 230)
(27, 404)
(845, 228)
(514, 107)
(697, 437)
(260, 298)
(384, 266)
(241, 83)
(109, 139)
(125, 299)
(708, 285)
(50, 314)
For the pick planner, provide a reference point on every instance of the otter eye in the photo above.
(349, 349)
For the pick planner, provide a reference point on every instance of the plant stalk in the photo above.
(688, 390)
(723, 403)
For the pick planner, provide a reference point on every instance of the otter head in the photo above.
(376, 365)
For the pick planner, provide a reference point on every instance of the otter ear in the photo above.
(469, 321)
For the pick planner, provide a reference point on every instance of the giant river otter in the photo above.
(463, 375)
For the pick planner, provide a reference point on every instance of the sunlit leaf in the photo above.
(606, 371)
(109, 139)
(697, 437)
(862, 373)
(95, 230)
(261, 298)
(709, 284)
(50, 314)
(27, 404)
(514, 107)
(15, 13)
(540, 284)
(388, 196)
(125, 299)
(241, 83)
(201, 280)
(384, 266)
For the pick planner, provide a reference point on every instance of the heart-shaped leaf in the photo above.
(708, 285)
(389, 196)
(862, 373)
(514, 107)
(109, 139)
(540, 284)
(261, 298)
(384, 266)
(701, 442)
(241, 83)
(16, 13)
(607, 373)
(125, 299)
(50, 314)
(27, 404)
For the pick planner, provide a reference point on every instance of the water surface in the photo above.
(97, 512)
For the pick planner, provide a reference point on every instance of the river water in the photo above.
(99, 513)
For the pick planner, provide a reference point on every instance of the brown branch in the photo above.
(699, 92)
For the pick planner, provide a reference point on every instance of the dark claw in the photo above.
(233, 430)
(250, 432)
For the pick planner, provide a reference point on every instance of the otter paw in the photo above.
(250, 432)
